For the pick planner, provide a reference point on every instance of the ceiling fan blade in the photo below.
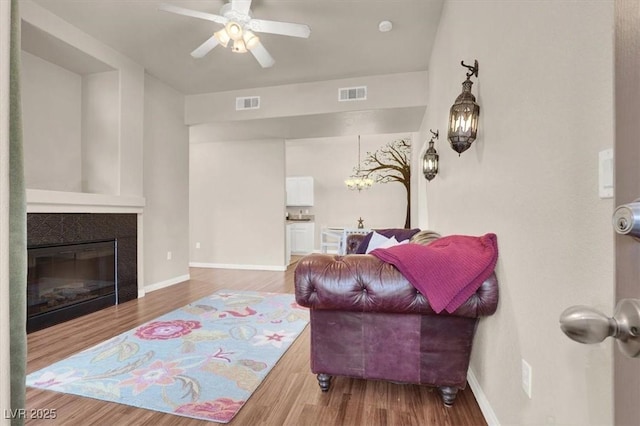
(192, 13)
(282, 28)
(205, 47)
(241, 6)
(262, 56)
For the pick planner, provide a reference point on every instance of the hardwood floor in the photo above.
(288, 396)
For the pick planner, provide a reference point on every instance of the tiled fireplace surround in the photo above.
(73, 228)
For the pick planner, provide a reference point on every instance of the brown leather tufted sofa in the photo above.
(368, 321)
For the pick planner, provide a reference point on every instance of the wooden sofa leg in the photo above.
(324, 380)
(448, 394)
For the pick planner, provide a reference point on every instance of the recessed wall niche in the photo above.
(70, 103)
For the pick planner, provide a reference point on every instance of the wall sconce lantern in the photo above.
(463, 116)
(431, 158)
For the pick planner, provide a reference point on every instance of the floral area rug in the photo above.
(201, 361)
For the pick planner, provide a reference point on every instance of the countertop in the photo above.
(303, 219)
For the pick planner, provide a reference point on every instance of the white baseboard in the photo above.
(166, 283)
(238, 266)
(488, 413)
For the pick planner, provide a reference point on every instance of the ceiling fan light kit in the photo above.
(222, 37)
(240, 26)
(239, 46)
(234, 30)
(250, 39)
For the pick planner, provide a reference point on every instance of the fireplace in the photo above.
(95, 257)
(69, 280)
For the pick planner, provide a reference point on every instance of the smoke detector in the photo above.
(385, 26)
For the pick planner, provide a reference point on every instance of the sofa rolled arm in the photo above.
(363, 283)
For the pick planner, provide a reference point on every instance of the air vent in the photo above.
(250, 102)
(352, 93)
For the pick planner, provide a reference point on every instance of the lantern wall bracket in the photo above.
(473, 69)
(435, 134)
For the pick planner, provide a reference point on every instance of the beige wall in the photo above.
(130, 93)
(546, 91)
(236, 203)
(71, 128)
(108, 156)
(166, 185)
(316, 98)
(100, 125)
(52, 111)
(330, 161)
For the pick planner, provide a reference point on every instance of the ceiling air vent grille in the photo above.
(352, 93)
(250, 102)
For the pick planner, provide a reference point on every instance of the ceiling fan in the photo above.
(239, 29)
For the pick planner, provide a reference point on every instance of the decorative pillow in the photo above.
(392, 242)
(380, 241)
(376, 240)
(401, 234)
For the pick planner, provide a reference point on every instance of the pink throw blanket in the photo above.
(447, 271)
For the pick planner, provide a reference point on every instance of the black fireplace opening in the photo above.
(67, 281)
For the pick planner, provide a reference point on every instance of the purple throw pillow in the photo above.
(401, 234)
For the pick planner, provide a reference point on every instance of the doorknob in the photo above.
(588, 325)
(626, 219)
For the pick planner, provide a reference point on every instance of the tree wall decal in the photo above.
(392, 163)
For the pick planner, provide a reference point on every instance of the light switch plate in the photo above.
(605, 173)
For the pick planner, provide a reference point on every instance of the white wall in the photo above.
(545, 88)
(236, 204)
(130, 93)
(100, 125)
(321, 97)
(330, 161)
(52, 111)
(166, 185)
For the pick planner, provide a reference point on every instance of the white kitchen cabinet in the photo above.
(300, 191)
(302, 237)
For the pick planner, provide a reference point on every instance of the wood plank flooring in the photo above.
(288, 396)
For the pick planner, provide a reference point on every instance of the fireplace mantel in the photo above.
(44, 201)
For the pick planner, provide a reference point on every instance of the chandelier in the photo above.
(359, 180)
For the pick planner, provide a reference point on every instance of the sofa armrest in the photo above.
(363, 283)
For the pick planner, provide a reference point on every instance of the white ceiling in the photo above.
(344, 42)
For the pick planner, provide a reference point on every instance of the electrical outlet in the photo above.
(169, 255)
(526, 378)
(197, 245)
